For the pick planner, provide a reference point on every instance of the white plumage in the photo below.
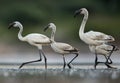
(96, 40)
(91, 37)
(34, 39)
(37, 39)
(103, 49)
(61, 48)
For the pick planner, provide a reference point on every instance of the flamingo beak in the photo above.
(11, 25)
(77, 12)
(46, 27)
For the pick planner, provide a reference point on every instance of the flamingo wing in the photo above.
(65, 47)
(38, 38)
(99, 36)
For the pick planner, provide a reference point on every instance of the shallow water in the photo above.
(55, 74)
(82, 72)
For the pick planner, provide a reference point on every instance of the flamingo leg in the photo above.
(31, 61)
(96, 60)
(107, 63)
(109, 59)
(45, 59)
(72, 60)
(110, 66)
(64, 62)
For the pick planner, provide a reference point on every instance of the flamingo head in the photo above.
(80, 11)
(14, 24)
(51, 26)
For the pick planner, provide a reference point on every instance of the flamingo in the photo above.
(105, 50)
(61, 48)
(92, 38)
(33, 39)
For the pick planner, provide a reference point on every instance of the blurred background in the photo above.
(104, 16)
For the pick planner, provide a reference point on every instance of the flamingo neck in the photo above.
(82, 27)
(20, 37)
(53, 34)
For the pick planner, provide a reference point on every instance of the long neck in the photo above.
(53, 34)
(20, 37)
(82, 27)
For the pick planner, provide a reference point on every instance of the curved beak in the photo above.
(46, 27)
(77, 12)
(11, 25)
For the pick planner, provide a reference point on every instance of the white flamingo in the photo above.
(92, 38)
(34, 39)
(105, 50)
(61, 48)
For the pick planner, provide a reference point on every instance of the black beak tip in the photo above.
(10, 25)
(77, 12)
(46, 27)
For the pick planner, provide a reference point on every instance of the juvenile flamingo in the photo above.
(92, 38)
(34, 39)
(61, 48)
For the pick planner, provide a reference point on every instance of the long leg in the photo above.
(110, 66)
(72, 60)
(109, 59)
(31, 61)
(45, 59)
(96, 60)
(64, 62)
(107, 63)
